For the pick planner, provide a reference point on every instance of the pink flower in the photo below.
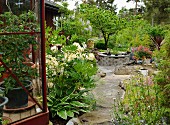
(140, 48)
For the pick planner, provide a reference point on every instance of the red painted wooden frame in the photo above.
(43, 117)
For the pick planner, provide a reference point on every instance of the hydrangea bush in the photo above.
(70, 77)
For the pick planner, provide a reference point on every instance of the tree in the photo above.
(135, 33)
(103, 20)
(104, 4)
(136, 5)
(157, 11)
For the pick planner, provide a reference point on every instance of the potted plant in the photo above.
(15, 51)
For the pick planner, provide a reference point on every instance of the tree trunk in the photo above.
(136, 5)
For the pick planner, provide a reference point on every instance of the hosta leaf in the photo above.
(78, 104)
(70, 90)
(49, 99)
(70, 113)
(74, 96)
(75, 111)
(61, 104)
(49, 104)
(65, 99)
(62, 114)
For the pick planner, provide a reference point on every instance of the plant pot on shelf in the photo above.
(18, 98)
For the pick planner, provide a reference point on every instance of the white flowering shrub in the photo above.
(70, 76)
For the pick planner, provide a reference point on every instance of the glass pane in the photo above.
(20, 58)
(16, 6)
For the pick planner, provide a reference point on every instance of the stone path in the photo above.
(106, 90)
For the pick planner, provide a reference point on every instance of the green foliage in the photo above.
(53, 38)
(63, 9)
(157, 31)
(141, 104)
(104, 4)
(157, 11)
(16, 48)
(100, 45)
(135, 33)
(112, 41)
(70, 76)
(68, 102)
(163, 61)
(102, 20)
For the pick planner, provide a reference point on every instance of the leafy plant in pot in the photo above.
(15, 49)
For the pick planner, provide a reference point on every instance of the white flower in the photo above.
(50, 84)
(76, 44)
(71, 57)
(84, 45)
(54, 48)
(79, 48)
(91, 56)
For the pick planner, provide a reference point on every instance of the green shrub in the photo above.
(112, 41)
(100, 45)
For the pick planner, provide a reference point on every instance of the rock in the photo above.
(102, 74)
(74, 121)
(50, 123)
(125, 70)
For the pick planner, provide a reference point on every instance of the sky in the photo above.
(120, 4)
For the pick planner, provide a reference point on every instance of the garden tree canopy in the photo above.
(157, 11)
(103, 20)
(64, 10)
(77, 29)
(136, 5)
(72, 25)
(104, 4)
(135, 33)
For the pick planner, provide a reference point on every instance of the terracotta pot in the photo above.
(4, 75)
(27, 52)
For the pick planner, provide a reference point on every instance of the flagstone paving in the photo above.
(106, 90)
